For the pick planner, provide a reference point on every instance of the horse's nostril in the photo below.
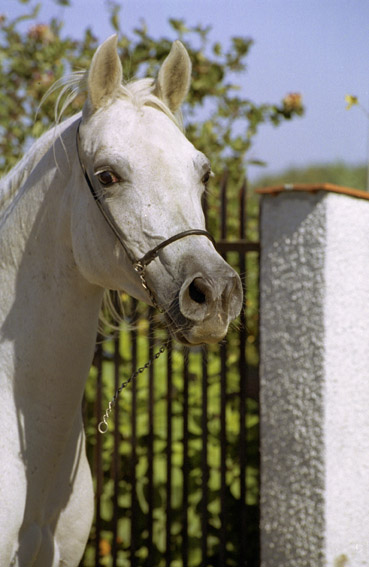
(196, 294)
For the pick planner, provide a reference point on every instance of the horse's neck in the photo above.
(49, 312)
(14, 183)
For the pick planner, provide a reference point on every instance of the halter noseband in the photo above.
(140, 264)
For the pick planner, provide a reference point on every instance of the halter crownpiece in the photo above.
(140, 264)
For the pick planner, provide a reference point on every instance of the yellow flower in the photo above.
(351, 101)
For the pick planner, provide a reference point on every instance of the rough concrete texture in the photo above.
(346, 416)
(314, 380)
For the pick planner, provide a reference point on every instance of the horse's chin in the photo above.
(193, 334)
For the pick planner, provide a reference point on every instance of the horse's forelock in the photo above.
(139, 91)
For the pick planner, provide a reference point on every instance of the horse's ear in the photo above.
(105, 74)
(174, 77)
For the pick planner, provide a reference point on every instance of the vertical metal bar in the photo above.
(185, 466)
(150, 450)
(223, 400)
(243, 540)
(168, 553)
(116, 361)
(258, 397)
(204, 460)
(98, 451)
(204, 437)
(223, 205)
(223, 453)
(134, 503)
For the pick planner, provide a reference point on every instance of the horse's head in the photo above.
(149, 179)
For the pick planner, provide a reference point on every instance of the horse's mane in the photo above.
(140, 92)
(13, 180)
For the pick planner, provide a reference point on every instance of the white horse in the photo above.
(92, 206)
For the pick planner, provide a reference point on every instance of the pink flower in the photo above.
(292, 102)
(41, 32)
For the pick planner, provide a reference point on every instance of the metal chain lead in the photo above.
(103, 425)
(140, 270)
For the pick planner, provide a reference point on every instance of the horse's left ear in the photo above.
(105, 74)
(174, 77)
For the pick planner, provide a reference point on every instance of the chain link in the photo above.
(103, 425)
(140, 269)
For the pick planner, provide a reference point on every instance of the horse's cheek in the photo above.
(89, 246)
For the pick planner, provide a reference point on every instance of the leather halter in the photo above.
(140, 264)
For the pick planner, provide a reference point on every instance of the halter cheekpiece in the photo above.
(140, 264)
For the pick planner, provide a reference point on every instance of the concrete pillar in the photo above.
(314, 286)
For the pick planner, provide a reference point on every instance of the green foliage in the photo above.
(337, 173)
(31, 61)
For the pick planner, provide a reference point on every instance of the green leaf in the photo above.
(114, 16)
(178, 25)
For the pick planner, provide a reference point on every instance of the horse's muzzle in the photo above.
(205, 306)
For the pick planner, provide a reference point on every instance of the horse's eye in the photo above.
(206, 177)
(107, 177)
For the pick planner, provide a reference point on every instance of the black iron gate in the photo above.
(176, 477)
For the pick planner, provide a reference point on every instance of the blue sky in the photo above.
(319, 48)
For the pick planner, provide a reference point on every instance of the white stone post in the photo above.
(314, 286)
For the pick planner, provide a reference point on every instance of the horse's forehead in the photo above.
(133, 128)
